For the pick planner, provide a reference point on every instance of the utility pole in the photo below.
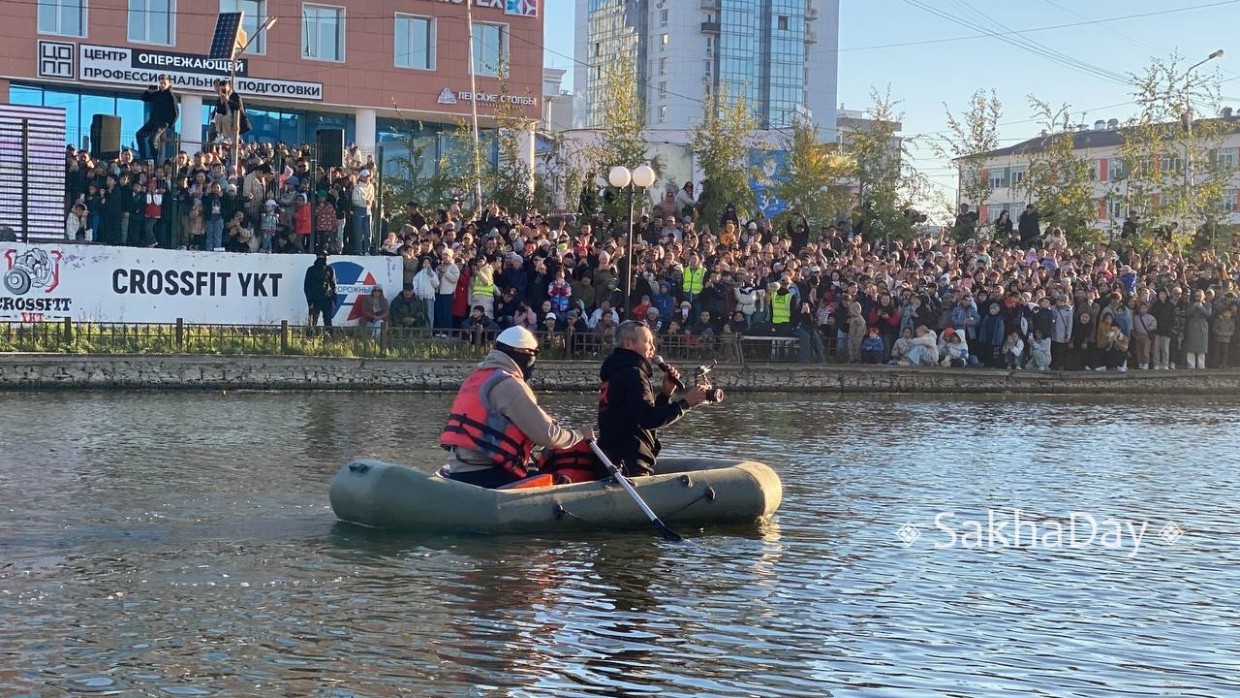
(473, 108)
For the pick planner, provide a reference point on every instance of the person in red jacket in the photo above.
(301, 223)
(886, 318)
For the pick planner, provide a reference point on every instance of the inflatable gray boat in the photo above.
(684, 491)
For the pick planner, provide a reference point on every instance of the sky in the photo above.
(886, 45)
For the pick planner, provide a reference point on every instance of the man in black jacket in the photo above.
(320, 288)
(1030, 226)
(163, 111)
(629, 413)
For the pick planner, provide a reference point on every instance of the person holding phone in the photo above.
(163, 113)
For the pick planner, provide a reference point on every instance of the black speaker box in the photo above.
(330, 143)
(105, 137)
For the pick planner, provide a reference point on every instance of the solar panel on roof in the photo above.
(224, 43)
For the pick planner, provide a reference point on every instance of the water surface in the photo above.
(181, 544)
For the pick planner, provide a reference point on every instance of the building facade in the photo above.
(375, 68)
(1100, 145)
(782, 54)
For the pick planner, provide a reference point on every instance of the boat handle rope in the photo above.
(708, 495)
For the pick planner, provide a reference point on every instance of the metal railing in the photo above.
(67, 336)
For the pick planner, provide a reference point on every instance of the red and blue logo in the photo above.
(353, 281)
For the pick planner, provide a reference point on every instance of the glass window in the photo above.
(67, 17)
(490, 49)
(27, 96)
(662, 66)
(1226, 159)
(783, 23)
(1115, 170)
(1229, 200)
(663, 39)
(152, 21)
(662, 18)
(71, 103)
(255, 13)
(322, 36)
(998, 178)
(415, 42)
(663, 89)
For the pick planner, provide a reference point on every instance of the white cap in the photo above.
(271, 202)
(518, 338)
(363, 174)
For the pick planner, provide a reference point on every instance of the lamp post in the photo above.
(243, 43)
(1189, 184)
(621, 177)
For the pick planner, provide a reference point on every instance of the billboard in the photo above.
(124, 284)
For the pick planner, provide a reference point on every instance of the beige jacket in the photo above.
(514, 399)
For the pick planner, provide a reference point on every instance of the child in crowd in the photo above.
(1013, 350)
(872, 347)
(270, 221)
(953, 350)
(1040, 354)
(900, 349)
(197, 226)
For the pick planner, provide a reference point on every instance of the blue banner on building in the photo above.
(769, 167)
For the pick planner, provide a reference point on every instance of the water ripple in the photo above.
(180, 545)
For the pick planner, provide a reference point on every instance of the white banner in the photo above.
(126, 284)
(126, 66)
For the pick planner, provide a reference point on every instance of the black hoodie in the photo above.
(629, 413)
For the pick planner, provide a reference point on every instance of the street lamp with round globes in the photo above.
(622, 177)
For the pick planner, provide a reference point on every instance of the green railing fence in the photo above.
(287, 339)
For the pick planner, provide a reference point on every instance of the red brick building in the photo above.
(371, 67)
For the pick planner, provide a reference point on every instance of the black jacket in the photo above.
(163, 106)
(320, 282)
(629, 413)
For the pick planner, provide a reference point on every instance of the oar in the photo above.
(667, 533)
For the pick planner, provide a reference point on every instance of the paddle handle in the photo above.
(667, 532)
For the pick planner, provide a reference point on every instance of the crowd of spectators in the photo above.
(275, 200)
(1029, 301)
(1038, 305)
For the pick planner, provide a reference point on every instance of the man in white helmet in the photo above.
(495, 421)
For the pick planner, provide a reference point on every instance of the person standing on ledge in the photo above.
(320, 289)
(163, 114)
(495, 421)
(629, 413)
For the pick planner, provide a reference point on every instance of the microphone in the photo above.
(658, 361)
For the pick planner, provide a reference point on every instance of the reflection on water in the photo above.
(182, 545)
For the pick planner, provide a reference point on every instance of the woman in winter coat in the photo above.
(856, 332)
(1163, 312)
(449, 273)
(1144, 324)
(1197, 331)
(990, 337)
(1084, 338)
(1222, 329)
(811, 348)
(746, 298)
(426, 288)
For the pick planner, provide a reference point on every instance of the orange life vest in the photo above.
(477, 426)
(576, 463)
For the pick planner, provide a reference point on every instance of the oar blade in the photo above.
(667, 533)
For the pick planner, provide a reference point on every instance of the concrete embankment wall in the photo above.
(150, 372)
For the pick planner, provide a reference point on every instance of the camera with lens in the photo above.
(702, 377)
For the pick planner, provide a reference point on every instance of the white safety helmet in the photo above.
(518, 338)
